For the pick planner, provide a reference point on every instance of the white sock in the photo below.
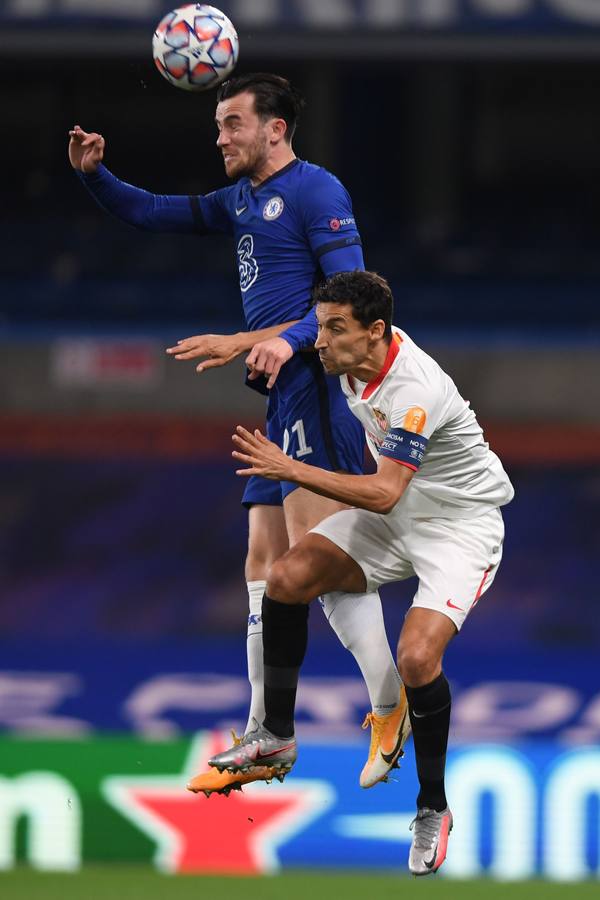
(254, 650)
(357, 619)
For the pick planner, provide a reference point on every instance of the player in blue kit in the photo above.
(291, 222)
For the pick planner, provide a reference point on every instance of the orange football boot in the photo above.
(215, 782)
(388, 736)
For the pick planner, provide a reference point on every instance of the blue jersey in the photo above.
(284, 231)
(290, 230)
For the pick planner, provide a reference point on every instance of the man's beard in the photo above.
(257, 157)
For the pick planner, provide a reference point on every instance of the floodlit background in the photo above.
(467, 132)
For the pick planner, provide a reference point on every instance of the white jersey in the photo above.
(413, 414)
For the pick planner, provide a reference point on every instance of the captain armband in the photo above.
(404, 447)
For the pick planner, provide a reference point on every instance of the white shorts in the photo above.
(455, 560)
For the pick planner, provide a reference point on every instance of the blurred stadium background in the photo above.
(467, 132)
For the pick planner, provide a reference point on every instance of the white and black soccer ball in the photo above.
(195, 47)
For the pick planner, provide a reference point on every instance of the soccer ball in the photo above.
(195, 47)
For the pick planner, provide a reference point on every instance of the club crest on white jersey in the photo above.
(381, 419)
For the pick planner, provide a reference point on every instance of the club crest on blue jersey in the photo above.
(273, 209)
(246, 262)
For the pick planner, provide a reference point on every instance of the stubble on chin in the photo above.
(238, 170)
(249, 167)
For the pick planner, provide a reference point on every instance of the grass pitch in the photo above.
(138, 883)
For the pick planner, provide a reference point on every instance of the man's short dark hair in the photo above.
(274, 97)
(368, 294)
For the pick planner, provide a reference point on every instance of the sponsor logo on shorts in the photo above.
(454, 606)
(273, 208)
(415, 419)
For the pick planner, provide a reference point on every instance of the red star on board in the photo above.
(239, 834)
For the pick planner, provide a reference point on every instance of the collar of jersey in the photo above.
(391, 355)
(277, 174)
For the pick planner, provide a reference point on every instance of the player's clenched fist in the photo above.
(86, 150)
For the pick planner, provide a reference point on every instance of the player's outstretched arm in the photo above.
(133, 205)
(86, 150)
(378, 493)
(220, 349)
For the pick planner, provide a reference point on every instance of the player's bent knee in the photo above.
(417, 665)
(286, 584)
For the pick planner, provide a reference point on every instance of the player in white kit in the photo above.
(430, 510)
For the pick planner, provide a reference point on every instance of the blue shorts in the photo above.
(308, 417)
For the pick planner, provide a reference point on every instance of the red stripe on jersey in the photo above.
(391, 356)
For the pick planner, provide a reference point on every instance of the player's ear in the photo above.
(378, 329)
(278, 129)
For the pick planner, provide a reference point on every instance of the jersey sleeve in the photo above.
(330, 224)
(413, 419)
(210, 212)
(346, 258)
(178, 213)
(303, 334)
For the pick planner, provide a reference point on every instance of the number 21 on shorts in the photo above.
(298, 430)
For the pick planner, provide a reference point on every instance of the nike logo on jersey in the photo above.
(453, 605)
(238, 212)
